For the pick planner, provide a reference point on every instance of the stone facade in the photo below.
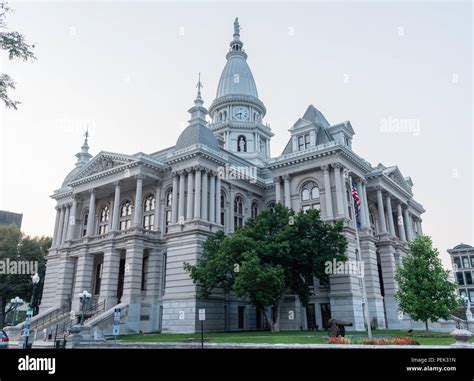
(125, 224)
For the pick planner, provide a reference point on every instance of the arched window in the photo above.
(310, 196)
(254, 210)
(238, 212)
(241, 143)
(222, 210)
(104, 217)
(85, 219)
(225, 115)
(271, 207)
(372, 223)
(149, 212)
(169, 201)
(125, 215)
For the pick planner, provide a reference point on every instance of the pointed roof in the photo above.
(236, 77)
(83, 158)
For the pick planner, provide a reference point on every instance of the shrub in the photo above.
(391, 341)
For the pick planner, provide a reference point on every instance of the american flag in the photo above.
(355, 196)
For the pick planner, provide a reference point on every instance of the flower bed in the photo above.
(386, 341)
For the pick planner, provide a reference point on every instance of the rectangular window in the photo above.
(241, 317)
(465, 262)
(306, 141)
(468, 277)
(305, 208)
(471, 296)
(300, 143)
(317, 206)
(98, 278)
(457, 263)
(472, 261)
(145, 272)
(462, 293)
(460, 278)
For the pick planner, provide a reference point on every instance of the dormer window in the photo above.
(303, 142)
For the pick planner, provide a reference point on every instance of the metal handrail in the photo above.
(48, 318)
(460, 323)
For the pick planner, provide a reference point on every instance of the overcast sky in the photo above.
(129, 71)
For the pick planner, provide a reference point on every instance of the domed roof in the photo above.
(463, 246)
(236, 78)
(197, 134)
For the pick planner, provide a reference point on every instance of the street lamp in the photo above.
(26, 326)
(35, 278)
(84, 297)
(15, 302)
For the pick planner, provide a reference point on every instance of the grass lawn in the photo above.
(285, 337)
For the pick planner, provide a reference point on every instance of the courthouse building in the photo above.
(126, 223)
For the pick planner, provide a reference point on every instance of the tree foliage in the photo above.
(278, 252)
(16, 47)
(16, 247)
(425, 292)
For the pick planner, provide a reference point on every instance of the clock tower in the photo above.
(237, 112)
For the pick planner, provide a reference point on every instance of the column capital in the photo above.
(286, 177)
(92, 191)
(325, 168)
(117, 183)
(337, 165)
(276, 180)
(140, 177)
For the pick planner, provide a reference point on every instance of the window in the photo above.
(238, 212)
(104, 220)
(222, 210)
(98, 278)
(460, 278)
(465, 262)
(145, 272)
(457, 263)
(125, 215)
(241, 317)
(303, 142)
(468, 277)
(149, 212)
(241, 144)
(472, 260)
(462, 293)
(271, 207)
(169, 201)
(254, 211)
(310, 196)
(84, 223)
(471, 296)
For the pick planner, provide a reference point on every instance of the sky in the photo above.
(128, 71)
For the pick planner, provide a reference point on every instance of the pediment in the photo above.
(103, 162)
(395, 175)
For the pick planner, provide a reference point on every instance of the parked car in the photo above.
(4, 340)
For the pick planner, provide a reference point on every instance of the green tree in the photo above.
(15, 248)
(16, 47)
(425, 292)
(277, 253)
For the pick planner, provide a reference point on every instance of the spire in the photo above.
(84, 156)
(236, 44)
(198, 111)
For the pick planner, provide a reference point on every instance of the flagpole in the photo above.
(359, 258)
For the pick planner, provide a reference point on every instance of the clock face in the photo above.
(240, 113)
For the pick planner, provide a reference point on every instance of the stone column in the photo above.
(204, 197)
(190, 196)
(276, 180)
(56, 225)
(174, 200)
(418, 226)
(91, 217)
(365, 203)
(390, 215)
(84, 271)
(231, 211)
(116, 210)
(182, 178)
(213, 201)
(72, 220)
(401, 225)
(388, 266)
(327, 192)
(286, 180)
(197, 194)
(339, 190)
(138, 215)
(66, 222)
(248, 206)
(382, 225)
(406, 222)
(218, 200)
(154, 274)
(110, 273)
(59, 235)
(157, 221)
(133, 273)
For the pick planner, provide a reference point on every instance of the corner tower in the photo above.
(237, 112)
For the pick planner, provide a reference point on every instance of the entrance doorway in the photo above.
(121, 278)
(311, 316)
(325, 314)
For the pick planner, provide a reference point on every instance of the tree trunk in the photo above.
(3, 304)
(269, 320)
(426, 325)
